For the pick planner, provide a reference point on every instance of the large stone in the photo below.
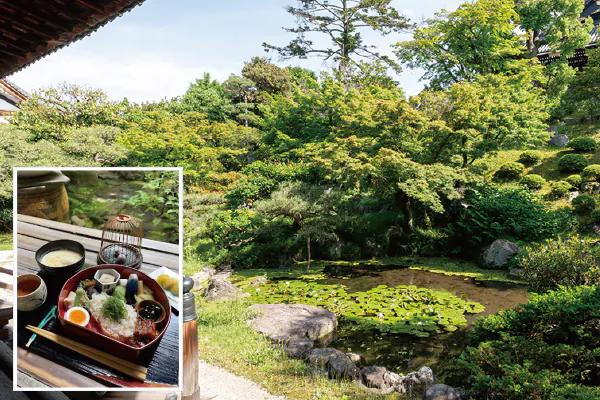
(416, 382)
(373, 377)
(259, 280)
(560, 140)
(299, 347)
(334, 362)
(202, 276)
(220, 288)
(355, 358)
(282, 322)
(499, 253)
(444, 392)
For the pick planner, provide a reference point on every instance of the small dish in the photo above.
(106, 286)
(31, 292)
(56, 245)
(151, 303)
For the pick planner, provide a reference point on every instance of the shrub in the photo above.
(583, 204)
(513, 212)
(529, 158)
(575, 181)
(560, 189)
(545, 349)
(563, 262)
(572, 163)
(509, 172)
(591, 173)
(595, 217)
(583, 145)
(533, 182)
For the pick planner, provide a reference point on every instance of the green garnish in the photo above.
(114, 309)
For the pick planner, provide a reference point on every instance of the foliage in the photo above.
(583, 145)
(584, 91)
(267, 77)
(341, 21)
(307, 206)
(583, 204)
(511, 212)
(565, 262)
(530, 158)
(533, 182)
(560, 189)
(575, 181)
(49, 113)
(452, 47)
(98, 143)
(509, 172)
(402, 309)
(572, 163)
(205, 96)
(591, 173)
(545, 349)
(554, 23)
(595, 216)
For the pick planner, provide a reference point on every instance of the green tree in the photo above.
(553, 22)
(205, 96)
(342, 22)
(242, 91)
(49, 113)
(268, 77)
(584, 92)
(452, 47)
(307, 206)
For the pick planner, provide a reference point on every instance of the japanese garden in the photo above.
(457, 229)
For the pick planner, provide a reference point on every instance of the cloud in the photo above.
(138, 76)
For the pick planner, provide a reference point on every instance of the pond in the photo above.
(403, 353)
(392, 315)
(151, 196)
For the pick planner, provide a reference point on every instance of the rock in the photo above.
(355, 358)
(444, 392)
(336, 363)
(282, 322)
(220, 288)
(298, 348)
(572, 195)
(560, 140)
(77, 221)
(200, 277)
(553, 129)
(373, 377)
(259, 280)
(392, 378)
(416, 382)
(515, 272)
(499, 253)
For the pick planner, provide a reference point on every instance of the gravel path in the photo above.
(218, 384)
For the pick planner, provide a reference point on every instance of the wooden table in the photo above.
(32, 233)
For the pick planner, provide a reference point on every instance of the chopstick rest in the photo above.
(126, 367)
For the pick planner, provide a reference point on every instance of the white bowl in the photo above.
(107, 286)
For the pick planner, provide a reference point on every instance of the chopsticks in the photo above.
(126, 367)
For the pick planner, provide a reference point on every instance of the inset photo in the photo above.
(98, 272)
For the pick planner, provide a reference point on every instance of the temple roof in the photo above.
(32, 29)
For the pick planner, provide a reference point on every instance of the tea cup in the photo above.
(33, 300)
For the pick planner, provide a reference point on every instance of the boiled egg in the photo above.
(78, 315)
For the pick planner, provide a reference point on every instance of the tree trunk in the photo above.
(308, 252)
(405, 204)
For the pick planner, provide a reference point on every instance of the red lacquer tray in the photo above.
(100, 340)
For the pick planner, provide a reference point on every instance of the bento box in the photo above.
(93, 333)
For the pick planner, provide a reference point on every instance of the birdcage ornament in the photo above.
(122, 242)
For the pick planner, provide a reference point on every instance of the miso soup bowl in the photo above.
(35, 299)
(64, 244)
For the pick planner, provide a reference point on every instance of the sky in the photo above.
(159, 48)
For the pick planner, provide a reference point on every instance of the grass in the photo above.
(6, 241)
(225, 340)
